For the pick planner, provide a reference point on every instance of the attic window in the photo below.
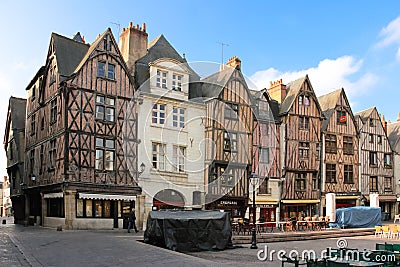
(101, 70)
(371, 122)
(341, 117)
(33, 93)
(107, 44)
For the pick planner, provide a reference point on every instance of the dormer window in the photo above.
(102, 67)
(161, 79)
(51, 75)
(33, 93)
(371, 122)
(341, 117)
(177, 82)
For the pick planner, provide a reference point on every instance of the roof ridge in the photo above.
(69, 39)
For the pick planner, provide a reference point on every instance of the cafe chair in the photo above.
(378, 231)
(385, 231)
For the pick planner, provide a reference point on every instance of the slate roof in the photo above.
(365, 114)
(159, 48)
(211, 86)
(18, 112)
(69, 54)
(393, 132)
(292, 90)
(328, 104)
(273, 104)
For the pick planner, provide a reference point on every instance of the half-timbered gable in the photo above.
(14, 145)
(376, 158)
(393, 131)
(301, 117)
(76, 137)
(266, 154)
(228, 131)
(340, 149)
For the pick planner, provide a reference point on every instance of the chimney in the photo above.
(277, 90)
(398, 116)
(384, 123)
(234, 62)
(133, 44)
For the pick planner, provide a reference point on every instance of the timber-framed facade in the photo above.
(81, 162)
(340, 157)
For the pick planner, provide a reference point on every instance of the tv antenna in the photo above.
(222, 47)
(117, 24)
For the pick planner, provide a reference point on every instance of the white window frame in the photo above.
(177, 82)
(178, 117)
(179, 155)
(158, 113)
(162, 78)
(158, 153)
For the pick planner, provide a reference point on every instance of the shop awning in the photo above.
(347, 197)
(53, 195)
(300, 201)
(106, 196)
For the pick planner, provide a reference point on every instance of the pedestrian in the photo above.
(131, 221)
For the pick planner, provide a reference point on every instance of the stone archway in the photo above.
(168, 199)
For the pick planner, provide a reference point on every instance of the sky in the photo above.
(353, 45)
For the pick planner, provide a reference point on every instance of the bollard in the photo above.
(4, 221)
(59, 228)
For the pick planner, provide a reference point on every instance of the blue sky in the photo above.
(351, 44)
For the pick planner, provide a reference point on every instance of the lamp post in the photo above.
(253, 181)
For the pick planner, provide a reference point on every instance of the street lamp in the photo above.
(253, 181)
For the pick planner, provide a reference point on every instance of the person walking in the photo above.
(131, 221)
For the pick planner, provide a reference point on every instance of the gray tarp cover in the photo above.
(357, 217)
(191, 230)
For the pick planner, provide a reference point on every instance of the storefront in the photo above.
(299, 208)
(236, 206)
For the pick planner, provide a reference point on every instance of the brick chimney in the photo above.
(234, 62)
(277, 90)
(384, 123)
(133, 44)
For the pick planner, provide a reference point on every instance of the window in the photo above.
(177, 82)
(230, 142)
(388, 160)
(32, 161)
(105, 108)
(379, 139)
(102, 67)
(341, 117)
(373, 161)
(41, 159)
(371, 122)
(52, 77)
(348, 145)
(55, 207)
(331, 173)
(231, 111)
(179, 158)
(178, 117)
(158, 156)
(105, 154)
(315, 184)
(161, 79)
(226, 177)
(348, 174)
(107, 44)
(52, 154)
(371, 138)
(304, 123)
(88, 208)
(304, 147)
(388, 184)
(318, 151)
(158, 114)
(300, 182)
(33, 124)
(53, 111)
(304, 100)
(373, 183)
(331, 143)
(33, 93)
(264, 155)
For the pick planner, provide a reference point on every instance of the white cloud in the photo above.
(398, 54)
(390, 34)
(329, 75)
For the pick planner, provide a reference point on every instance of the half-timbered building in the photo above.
(393, 132)
(301, 117)
(376, 158)
(265, 156)
(80, 159)
(14, 145)
(340, 158)
(228, 133)
(171, 128)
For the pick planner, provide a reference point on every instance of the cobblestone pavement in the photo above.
(37, 246)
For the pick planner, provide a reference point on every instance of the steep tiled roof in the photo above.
(328, 104)
(292, 90)
(69, 53)
(393, 131)
(365, 114)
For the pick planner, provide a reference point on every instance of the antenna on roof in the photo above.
(222, 46)
(119, 27)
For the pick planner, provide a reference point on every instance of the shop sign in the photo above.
(266, 206)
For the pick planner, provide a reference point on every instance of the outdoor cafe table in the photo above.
(358, 263)
(315, 224)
